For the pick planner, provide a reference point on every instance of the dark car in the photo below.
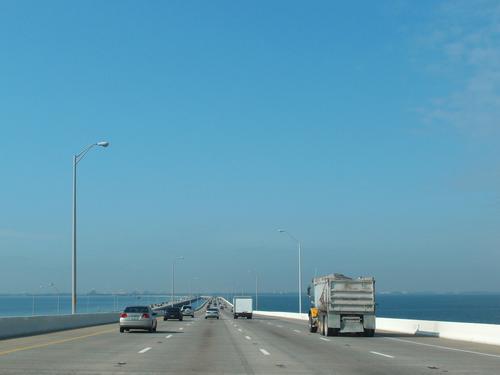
(172, 313)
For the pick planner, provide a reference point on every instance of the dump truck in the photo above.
(340, 304)
(242, 307)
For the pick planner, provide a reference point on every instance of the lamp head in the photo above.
(281, 230)
(103, 144)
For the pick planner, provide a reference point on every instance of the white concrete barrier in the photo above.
(472, 332)
(226, 301)
(34, 325)
(282, 314)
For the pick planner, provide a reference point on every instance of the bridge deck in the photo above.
(257, 346)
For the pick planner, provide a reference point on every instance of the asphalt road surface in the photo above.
(227, 346)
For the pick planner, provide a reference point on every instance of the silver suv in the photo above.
(187, 310)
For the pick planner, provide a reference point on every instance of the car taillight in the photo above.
(123, 315)
(145, 316)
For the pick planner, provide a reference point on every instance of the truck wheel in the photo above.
(122, 329)
(235, 316)
(369, 333)
(324, 328)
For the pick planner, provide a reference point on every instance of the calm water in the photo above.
(48, 305)
(474, 308)
(477, 308)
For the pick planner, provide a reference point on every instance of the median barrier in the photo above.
(472, 332)
(34, 325)
(226, 301)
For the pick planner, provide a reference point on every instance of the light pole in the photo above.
(76, 159)
(173, 276)
(58, 297)
(300, 266)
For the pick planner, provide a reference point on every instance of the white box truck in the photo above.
(242, 307)
(341, 304)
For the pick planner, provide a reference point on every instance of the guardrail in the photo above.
(34, 325)
(472, 332)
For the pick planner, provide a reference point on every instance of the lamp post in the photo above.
(76, 159)
(173, 276)
(300, 266)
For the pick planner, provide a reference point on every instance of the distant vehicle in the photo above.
(173, 313)
(242, 307)
(187, 310)
(212, 312)
(138, 317)
(341, 304)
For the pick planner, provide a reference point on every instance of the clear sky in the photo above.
(368, 129)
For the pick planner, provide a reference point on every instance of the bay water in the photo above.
(473, 308)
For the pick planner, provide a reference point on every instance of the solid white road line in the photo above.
(296, 330)
(264, 351)
(144, 350)
(322, 338)
(443, 347)
(169, 336)
(248, 337)
(181, 328)
(383, 355)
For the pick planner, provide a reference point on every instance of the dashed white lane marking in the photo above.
(279, 326)
(264, 351)
(144, 350)
(169, 336)
(269, 323)
(296, 330)
(322, 338)
(444, 347)
(383, 355)
(248, 337)
(181, 328)
(239, 329)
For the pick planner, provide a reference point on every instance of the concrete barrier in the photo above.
(282, 314)
(472, 332)
(226, 301)
(34, 325)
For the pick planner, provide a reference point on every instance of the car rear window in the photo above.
(136, 309)
(212, 309)
(173, 309)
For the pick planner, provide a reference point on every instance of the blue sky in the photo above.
(369, 130)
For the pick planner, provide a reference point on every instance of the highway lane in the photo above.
(227, 346)
(387, 352)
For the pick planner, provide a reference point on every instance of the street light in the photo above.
(300, 266)
(173, 276)
(76, 159)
